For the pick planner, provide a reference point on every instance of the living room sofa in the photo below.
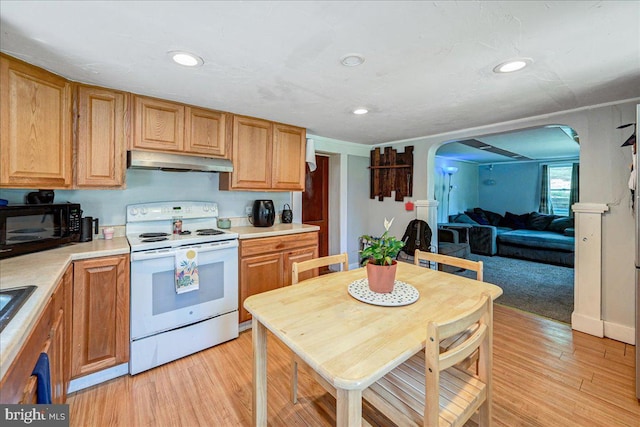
(533, 236)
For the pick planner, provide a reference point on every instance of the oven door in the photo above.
(155, 305)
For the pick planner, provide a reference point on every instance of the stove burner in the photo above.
(185, 233)
(155, 239)
(146, 235)
(209, 232)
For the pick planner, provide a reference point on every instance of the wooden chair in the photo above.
(429, 390)
(467, 264)
(476, 266)
(296, 269)
(314, 264)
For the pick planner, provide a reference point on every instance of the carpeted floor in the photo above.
(538, 288)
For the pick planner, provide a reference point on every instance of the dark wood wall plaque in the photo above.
(391, 171)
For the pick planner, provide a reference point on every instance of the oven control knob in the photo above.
(144, 211)
(206, 208)
(134, 211)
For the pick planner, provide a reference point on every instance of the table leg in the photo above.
(349, 410)
(259, 339)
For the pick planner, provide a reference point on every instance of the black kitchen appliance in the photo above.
(40, 197)
(263, 213)
(287, 214)
(88, 228)
(32, 228)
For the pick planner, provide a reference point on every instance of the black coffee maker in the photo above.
(88, 227)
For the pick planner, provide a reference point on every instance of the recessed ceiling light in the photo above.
(512, 65)
(360, 111)
(352, 60)
(185, 58)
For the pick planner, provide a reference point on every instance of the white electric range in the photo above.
(167, 325)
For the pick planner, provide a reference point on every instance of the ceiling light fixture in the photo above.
(185, 58)
(360, 111)
(352, 60)
(512, 65)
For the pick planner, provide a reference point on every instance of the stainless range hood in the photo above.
(176, 162)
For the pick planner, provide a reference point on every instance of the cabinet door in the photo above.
(100, 314)
(35, 135)
(259, 274)
(101, 138)
(158, 125)
(299, 256)
(206, 132)
(288, 158)
(252, 147)
(56, 360)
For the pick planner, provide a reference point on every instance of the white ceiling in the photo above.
(428, 66)
(551, 143)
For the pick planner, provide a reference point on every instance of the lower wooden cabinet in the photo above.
(100, 314)
(265, 263)
(51, 335)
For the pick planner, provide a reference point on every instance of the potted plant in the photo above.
(379, 257)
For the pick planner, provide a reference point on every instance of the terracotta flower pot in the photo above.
(381, 277)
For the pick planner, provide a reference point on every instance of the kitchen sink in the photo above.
(10, 302)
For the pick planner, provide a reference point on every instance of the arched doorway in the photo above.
(507, 174)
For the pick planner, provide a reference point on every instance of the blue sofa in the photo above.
(532, 236)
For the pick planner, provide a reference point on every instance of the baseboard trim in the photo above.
(246, 325)
(588, 325)
(618, 332)
(98, 377)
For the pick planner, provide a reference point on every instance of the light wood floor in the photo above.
(545, 374)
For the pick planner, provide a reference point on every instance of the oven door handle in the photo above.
(171, 252)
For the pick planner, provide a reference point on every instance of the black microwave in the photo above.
(31, 228)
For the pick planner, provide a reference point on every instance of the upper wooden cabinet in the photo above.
(101, 137)
(266, 156)
(288, 164)
(176, 128)
(35, 137)
(206, 132)
(158, 125)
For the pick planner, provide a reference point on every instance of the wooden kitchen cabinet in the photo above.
(36, 127)
(101, 137)
(51, 335)
(266, 156)
(179, 129)
(206, 133)
(158, 124)
(288, 164)
(265, 263)
(100, 338)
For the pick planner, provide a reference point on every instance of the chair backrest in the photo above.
(449, 260)
(479, 319)
(299, 267)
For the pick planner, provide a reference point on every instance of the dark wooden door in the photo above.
(315, 202)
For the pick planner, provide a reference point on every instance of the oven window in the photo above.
(165, 298)
(31, 228)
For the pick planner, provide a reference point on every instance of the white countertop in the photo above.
(251, 232)
(44, 270)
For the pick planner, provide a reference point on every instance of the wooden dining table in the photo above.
(350, 343)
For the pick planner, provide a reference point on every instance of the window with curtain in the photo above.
(559, 188)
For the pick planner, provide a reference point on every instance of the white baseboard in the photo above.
(98, 377)
(244, 326)
(588, 325)
(619, 332)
